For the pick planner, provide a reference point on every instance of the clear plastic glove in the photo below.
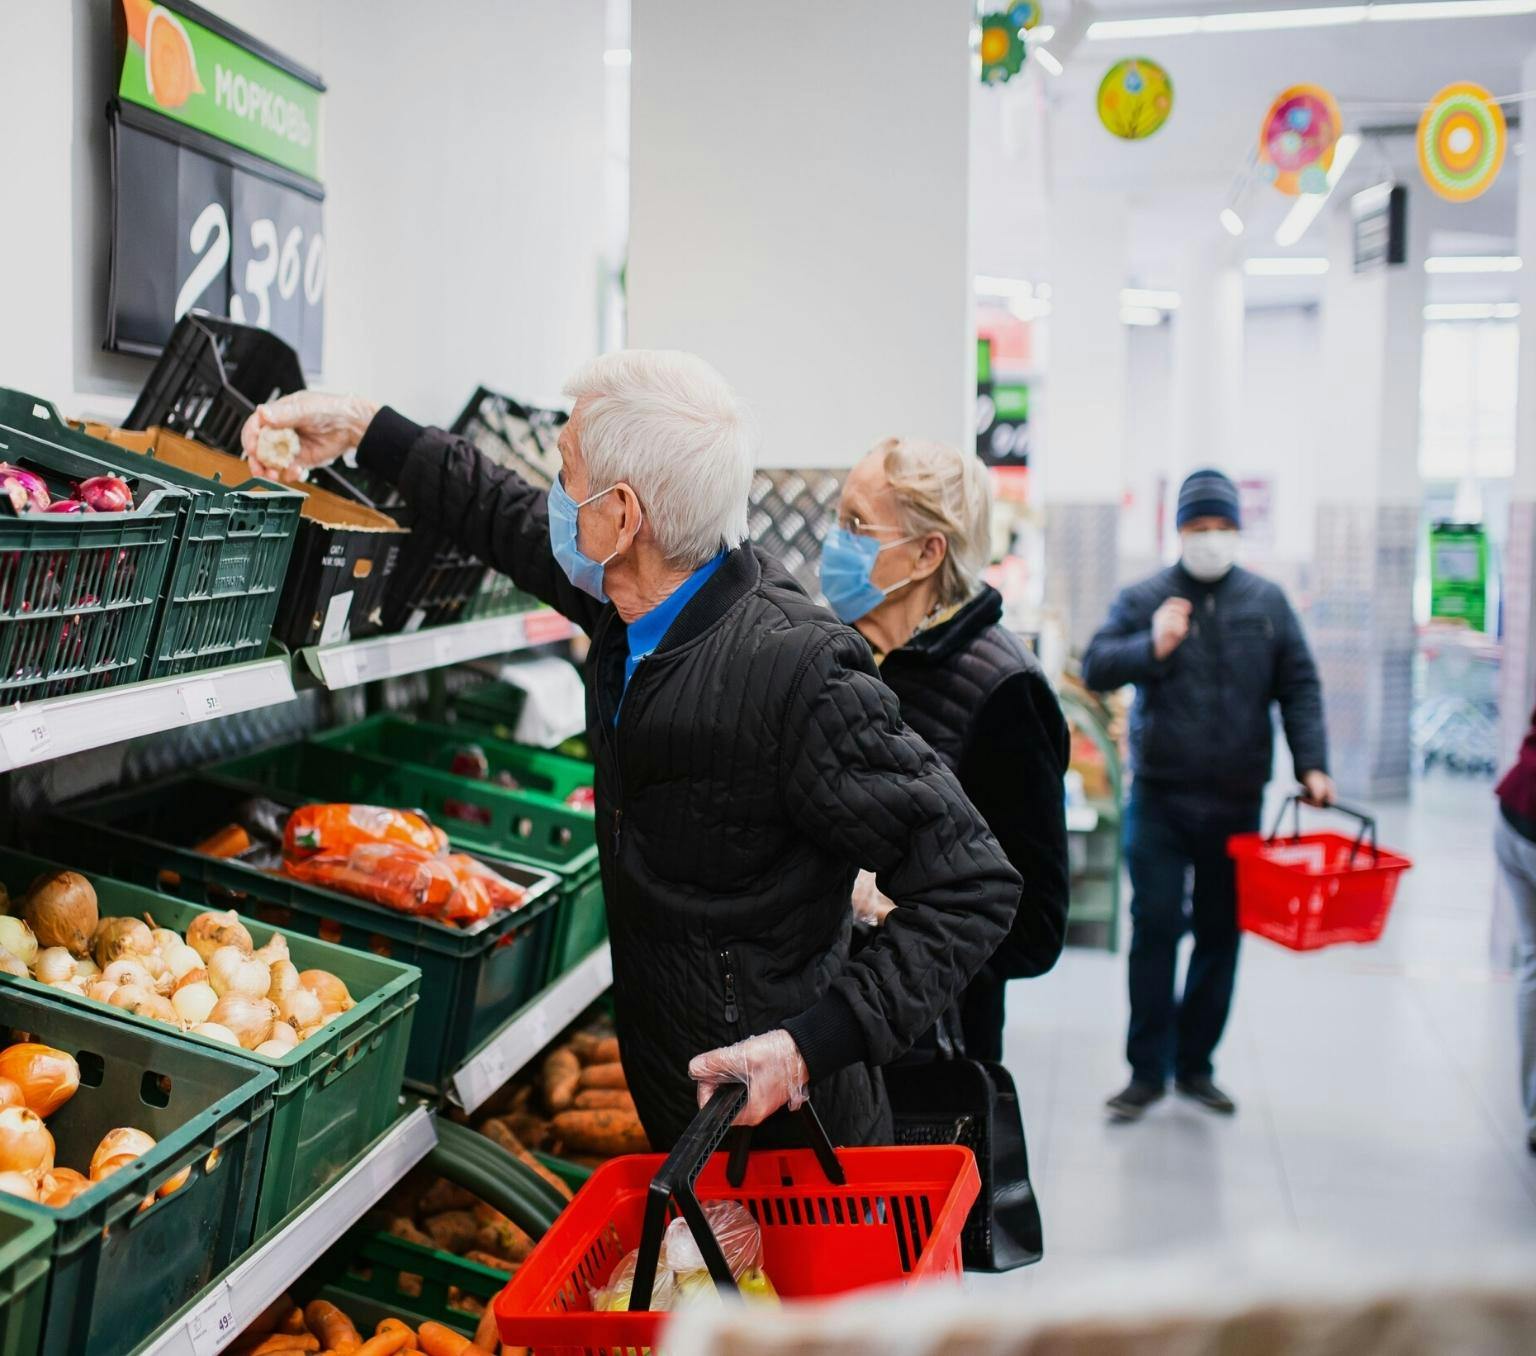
(869, 905)
(770, 1065)
(328, 427)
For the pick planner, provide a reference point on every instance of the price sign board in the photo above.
(216, 203)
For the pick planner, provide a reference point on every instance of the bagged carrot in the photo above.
(335, 828)
(395, 875)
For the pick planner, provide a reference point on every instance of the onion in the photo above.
(128, 971)
(174, 1183)
(144, 1003)
(160, 973)
(25, 1144)
(25, 489)
(61, 910)
(118, 1147)
(54, 964)
(249, 1018)
(197, 976)
(282, 1031)
(231, 972)
(165, 940)
(214, 1032)
(86, 969)
(12, 965)
(47, 1077)
(117, 937)
(193, 1002)
(105, 494)
(75, 986)
(22, 1184)
(273, 1049)
(285, 979)
(182, 959)
(300, 1008)
(101, 990)
(10, 1094)
(17, 938)
(275, 950)
(331, 992)
(210, 931)
(61, 1186)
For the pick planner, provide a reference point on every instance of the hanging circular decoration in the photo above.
(1002, 49)
(1135, 98)
(1296, 139)
(1461, 142)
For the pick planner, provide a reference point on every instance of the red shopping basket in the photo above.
(832, 1222)
(1317, 889)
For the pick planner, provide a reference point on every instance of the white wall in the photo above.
(463, 161)
(798, 212)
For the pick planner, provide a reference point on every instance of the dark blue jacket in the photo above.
(1201, 720)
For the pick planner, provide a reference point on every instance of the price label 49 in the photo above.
(212, 1325)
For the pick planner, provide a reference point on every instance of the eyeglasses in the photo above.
(851, 522)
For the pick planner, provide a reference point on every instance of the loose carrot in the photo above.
(604, 1099)
(601, 1076)
(387, 1325)
(561, 1072)
(606, 1051)
(385, 1344)
(333, 1327)
(284, 1341)
(437, 1340)
(600, 1132)
(487, 1335)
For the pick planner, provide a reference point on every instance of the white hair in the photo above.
(938, 488)
(668, 425)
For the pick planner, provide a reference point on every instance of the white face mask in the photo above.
(1207, 556)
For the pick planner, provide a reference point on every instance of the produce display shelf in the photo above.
(346, 664)
(507, 1051)
(33, 732)
(213, 1320)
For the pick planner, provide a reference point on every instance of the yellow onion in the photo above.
(86, 969)
(300, 1008)
(145, 1003)
(23, 1184)
(128, 970)
(285, 979)
(61, 1186)
(273, 1049)
(210, 931)
(119, 937)
(118, 1147)
(53, 964)
(25, 1144)
(159, 974)
(75, 986)
(282, 1031)
(231, 972)
(331, 992)
(101, 990)
(214, 1032)
(249, 1018)
(165, 939)
(47, 1077)
(13, 965)
(196, 976)
(10, 1094)
(17, 938)
(275, 950)
(174, 1183)
(182, 959)
(193, 1002)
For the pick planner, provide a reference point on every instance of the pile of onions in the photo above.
(214, 982)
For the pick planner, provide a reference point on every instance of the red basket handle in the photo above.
(1294, 803)
(675, 1178)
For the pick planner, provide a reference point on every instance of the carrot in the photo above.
(561, 1072)
(585, 1044)
(385, 1344)
(604, 1099)
(230, 841)
(436, 1340)
(490, 1259)
(333, 1327)
(600, 1132)
(387, 1325)
(607, 1051)
(293, 1320)
(284, 1341)
(601, 1076)
(487, 1335)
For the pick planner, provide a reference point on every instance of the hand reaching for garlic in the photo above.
(215, 982)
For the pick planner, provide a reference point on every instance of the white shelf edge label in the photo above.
(345, 664)
(26, 736)
(211, 1326)
(200, 700)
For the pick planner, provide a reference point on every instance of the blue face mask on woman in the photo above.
(564, 540)
(847, 559)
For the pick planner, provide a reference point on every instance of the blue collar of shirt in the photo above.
(645, 633)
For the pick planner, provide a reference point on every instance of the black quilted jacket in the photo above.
(758, 764)
(1202, 719)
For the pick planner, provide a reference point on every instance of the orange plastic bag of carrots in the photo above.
(313, 829)
(452, 888)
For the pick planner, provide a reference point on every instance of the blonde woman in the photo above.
(903, 567)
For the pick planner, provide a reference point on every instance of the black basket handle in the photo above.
(1366, 836)
(675, 1178)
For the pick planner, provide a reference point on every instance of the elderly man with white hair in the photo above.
(748, 760)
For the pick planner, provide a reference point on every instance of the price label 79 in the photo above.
(25, 737)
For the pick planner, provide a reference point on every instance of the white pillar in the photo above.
(798, 198)
(1361, 620)
(1077, 466)
(1208, 359)
(1518, 673)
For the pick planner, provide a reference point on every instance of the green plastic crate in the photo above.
(493, 706)
(476, 815)
(334, 1094)
(498, 596)
(118, 1270)
(26, 1245)
(541, 775)
(80, 592)
(233, 545)
(472, 979)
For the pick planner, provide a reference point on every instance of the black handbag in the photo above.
(951, 1099)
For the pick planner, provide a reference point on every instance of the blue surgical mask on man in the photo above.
(847, 559)
(565, 540)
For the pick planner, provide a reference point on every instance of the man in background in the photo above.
(1210, 646)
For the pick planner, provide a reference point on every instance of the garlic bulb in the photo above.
(193, 1002)
(231, 972)
(249, 1018)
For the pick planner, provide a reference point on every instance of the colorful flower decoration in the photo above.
(1002, 49)
(1461, 142)
(1297, 138)
(1135, 98)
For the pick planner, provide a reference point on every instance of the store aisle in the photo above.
(1376, 1086)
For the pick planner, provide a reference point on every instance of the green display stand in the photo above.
(1458, 574)
(1094, 844)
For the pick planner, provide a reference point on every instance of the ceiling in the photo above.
(1038, 139)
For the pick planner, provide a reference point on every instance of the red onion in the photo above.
(67, 506)
(106, 494)
(24, 489)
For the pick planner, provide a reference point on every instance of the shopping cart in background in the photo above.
(1313, 890)
(832, 1221)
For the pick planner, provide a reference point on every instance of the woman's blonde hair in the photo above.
(939, 489)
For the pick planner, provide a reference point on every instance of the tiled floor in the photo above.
(1377, 1090)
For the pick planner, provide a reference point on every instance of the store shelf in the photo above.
(367, 661)
(505, 1053)
(1082, 819)
(216, 1317)
(33, 732)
